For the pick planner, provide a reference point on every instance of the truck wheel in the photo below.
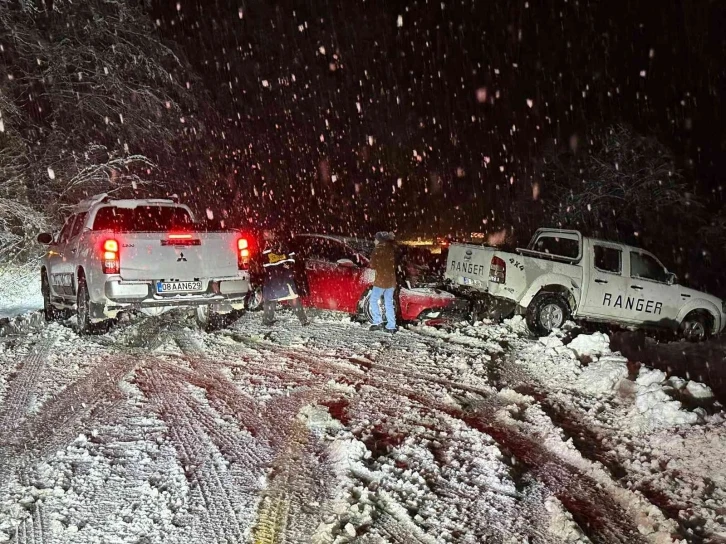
(696, 327)
(253, 300)
(208, 319)
(50, 312)
(83, 310)
(546, 312)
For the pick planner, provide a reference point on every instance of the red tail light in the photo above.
(498, 270)
(110, 261)
(243, 254)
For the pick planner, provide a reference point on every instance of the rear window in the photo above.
(563, 247)
(142, 219)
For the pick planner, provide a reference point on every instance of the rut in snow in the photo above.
(594, 508)
(224, 466)
(16, 402)
(35, 528)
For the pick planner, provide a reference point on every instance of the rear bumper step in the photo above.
(144, 293)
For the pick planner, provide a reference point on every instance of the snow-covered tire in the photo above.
(253, 300)
(83, 309)
(50, 312)
(209, 320)
(546, 312)
(696, 327)
(364, 307)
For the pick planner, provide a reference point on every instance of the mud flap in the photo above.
(97, 312)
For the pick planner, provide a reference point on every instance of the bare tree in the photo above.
(617, 182)
(91, 101)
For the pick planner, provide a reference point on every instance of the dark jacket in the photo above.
(383, 261)
(279, 273)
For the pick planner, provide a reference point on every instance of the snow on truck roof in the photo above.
(122, 203)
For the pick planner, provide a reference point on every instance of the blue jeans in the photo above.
(387, 294)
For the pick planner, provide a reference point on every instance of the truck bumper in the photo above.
(484, 305)
(223, 294)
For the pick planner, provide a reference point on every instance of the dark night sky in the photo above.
(305, 82)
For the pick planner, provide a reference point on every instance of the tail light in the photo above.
(498, 270)
(111, 262)
(243, 254)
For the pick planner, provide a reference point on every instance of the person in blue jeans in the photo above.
(383, 262)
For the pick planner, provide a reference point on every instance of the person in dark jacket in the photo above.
(383, 261)
(279, 278)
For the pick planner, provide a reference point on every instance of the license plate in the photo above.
(178, 286)
(467, 281)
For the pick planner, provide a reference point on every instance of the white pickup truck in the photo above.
(562, 275)
(113, 256)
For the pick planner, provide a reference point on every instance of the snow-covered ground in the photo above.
(19, 291)
(159, 432)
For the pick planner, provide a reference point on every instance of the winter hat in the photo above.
(384, 236)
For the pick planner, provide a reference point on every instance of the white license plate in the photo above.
(178, 286)
(467, 281)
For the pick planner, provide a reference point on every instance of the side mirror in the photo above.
(346, 263)
(672, 278)
(45, 238)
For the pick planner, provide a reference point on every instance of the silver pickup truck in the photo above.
(113, 256)
(562, 274)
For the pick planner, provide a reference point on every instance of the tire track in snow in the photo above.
(22, 387)
(326, 369)
(597, 512)
(201, 444)
(274, 510)
(292, 506)
(34, 529)
(60, 420)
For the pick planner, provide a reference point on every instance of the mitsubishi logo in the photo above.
(181, 258)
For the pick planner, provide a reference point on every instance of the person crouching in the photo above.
(383, 261)
(279, 279)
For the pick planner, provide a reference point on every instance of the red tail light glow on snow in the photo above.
(498, 270)
(111, 262)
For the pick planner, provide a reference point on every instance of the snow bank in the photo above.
(19, 290)
(590, 345)
(699, 391)
(655, 409)
(603, 376)
(606, 375)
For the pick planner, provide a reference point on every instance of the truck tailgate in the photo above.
(469, 264)
(160, 256)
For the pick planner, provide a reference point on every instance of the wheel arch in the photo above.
(553, 283)
(704, 307)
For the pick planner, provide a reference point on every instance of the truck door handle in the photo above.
(685, 295)
(638, 287)
(600, 281)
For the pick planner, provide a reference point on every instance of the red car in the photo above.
(337, 277)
